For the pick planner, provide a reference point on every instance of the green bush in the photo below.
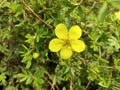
(26, 28)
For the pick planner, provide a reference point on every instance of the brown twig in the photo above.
(2, 2)
(54, 79)
(82, 60)
(111, 72)
(71, 83)
(53, 84)
(87, 85)
(35, 14)
(50, 81)
(100, 52)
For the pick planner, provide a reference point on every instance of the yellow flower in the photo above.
(118, 15)
(35, 55)
(67, 41)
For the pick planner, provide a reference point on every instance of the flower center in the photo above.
(67, 42)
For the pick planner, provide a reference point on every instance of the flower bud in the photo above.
(35, 55)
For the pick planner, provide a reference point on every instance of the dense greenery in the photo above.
(26, 28)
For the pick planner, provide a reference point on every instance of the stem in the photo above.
(71, 83)
(53, 84)
(2, 2)
(100, 52)
(54, 79)
(35, 14)
(81, 1)
(50, 81)
(94, 3)
(111, 72)
(87, 85)
(82, 60)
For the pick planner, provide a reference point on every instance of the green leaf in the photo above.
(3, 49)
(2, 78)
(29, 80)
(63, 63)
(25, 47)
(23, 79)
(67, 70)
(114, 42)
(20, 75)
(30, 38)
(10, 88)
(115, 3)
(27, 58)
(16, 8)
(104, 82)
(39, 73)
(28, 64)
(64, 88)
(26, 77)
(72, 71)
(102, 12)
(4, 4)
(38, 82)
(77, 13)
(41, 33)
(50, 21)
(67, 3)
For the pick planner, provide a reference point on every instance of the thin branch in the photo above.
(2, 2)
(82, 60)
(94, 3)
(50, 81)
(53, 84)
(87, 85)
(111, 71)
(35, 14)
(71, 83)
(100, 52)
(54, 79)
(81, 1)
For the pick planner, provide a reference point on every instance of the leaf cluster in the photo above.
(27, 26)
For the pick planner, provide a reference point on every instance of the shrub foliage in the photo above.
(26, 28)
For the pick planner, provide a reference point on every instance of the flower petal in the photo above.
(61, 31)
(66, 52)
(118, 15)
(75, 32)
(78, 45)
(56, 44)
